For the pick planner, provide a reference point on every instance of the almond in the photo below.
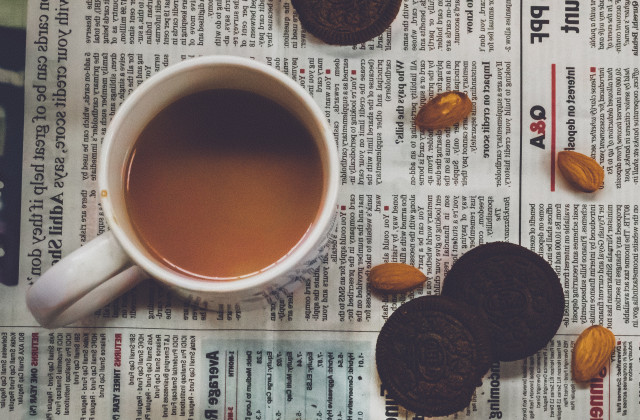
(395, 277)
(581, 171)
(444, 110)
(591, 352)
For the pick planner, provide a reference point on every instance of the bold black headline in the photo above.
(540, 19)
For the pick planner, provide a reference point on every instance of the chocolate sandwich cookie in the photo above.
(346, 22)
(431, 354)
(518, 292)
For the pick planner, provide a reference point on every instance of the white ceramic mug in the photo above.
(116, 261)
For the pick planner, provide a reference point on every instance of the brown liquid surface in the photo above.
(223, 183)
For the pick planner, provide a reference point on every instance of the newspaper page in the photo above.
(544, 76)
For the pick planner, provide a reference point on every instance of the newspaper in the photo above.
(544, 76)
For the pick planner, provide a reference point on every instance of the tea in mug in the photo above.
(222, 184)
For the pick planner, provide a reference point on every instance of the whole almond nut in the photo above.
(581, 171)
(444, 110)
(591, 352)
(395, 277)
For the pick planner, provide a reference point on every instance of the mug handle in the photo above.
(83, 282)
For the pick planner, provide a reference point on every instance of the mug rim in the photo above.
(307, 244)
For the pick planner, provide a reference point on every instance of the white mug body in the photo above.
(142, 105)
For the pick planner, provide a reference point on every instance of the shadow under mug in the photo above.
(114, 262)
